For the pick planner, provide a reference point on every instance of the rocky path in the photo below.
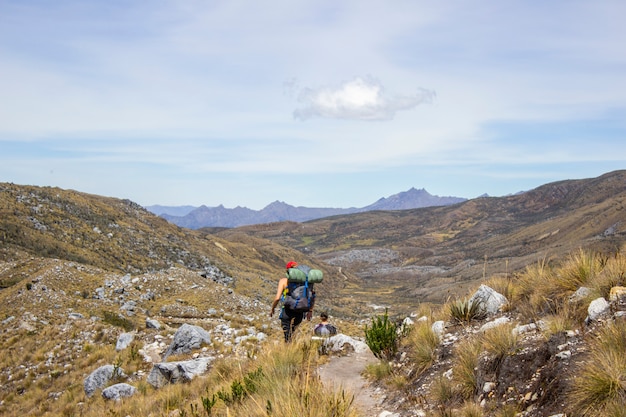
(345, 372)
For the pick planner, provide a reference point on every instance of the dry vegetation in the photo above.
(449, 378)
(60, 249)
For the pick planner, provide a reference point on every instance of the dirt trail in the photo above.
(345, 372)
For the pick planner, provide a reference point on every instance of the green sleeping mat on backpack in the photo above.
(298, 275)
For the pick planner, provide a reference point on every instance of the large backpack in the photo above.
(299, 294)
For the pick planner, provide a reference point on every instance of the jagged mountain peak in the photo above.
(281, 211)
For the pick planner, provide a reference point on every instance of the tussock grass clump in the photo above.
(117, 320)
(534, 293)
(579, 270)
(465, 311)
(566, 317)
(612, 275)
(442, 393)
(500, 341)
(507, 410)
(544, 288)
(470, 409)
(422, 345)
(464, 366)
(599, 388)
(378, 371)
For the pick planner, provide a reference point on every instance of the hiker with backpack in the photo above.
(324, 328)
(297, 295)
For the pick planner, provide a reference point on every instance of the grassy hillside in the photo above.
(428, 254)
(38, 223)
(78, 270)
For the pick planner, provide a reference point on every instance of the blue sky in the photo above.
(314, 103)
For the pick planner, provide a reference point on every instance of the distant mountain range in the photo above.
(220, 216)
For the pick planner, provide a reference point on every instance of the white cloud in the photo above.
(357, 99)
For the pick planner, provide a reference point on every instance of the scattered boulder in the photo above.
(530, 327)
(124, 341)
(187, 338)
(490, 300)
(580, 294)
(597, 308)
(494, 323)
(118, 391)
(152, 324)
(343, 344)
(439, 328)
(617, 294)
(172, 372)
(100, 378)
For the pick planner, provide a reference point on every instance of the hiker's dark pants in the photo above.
(289, 320)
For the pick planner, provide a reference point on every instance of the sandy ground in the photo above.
(345, 372)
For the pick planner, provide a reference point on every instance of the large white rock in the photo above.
(343, 343)
(597, 308)
(491, 301)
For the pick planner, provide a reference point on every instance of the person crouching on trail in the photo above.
(289, 319)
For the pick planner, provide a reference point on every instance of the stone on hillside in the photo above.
(118, 391)
(172, 372)
(617, 294)
(388, 414)
(597, 308)
(148, 296)
(494, 323)
(152, 324)
(580, 294)
(187, 338)
(407, 322)
(490, 300)
(530, 327)
(100, 378)
(341, 343)
(439, 328)
(126, 279)
(129, 308)
(124, 341)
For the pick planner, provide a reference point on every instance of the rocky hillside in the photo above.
(102, 300)
(431, 253)
(90, 285)
(37, 223)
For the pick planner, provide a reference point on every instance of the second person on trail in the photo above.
(290, 318)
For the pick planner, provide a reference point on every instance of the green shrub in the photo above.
(382, 337)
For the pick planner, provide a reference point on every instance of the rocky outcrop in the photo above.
(173, 372)
(124, 340)
(534, 374)
(186, 339)
(100, 378)
(118, 391)
(491, 301)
